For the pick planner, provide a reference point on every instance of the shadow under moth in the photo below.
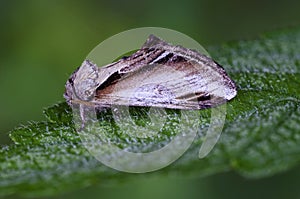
(157, 75)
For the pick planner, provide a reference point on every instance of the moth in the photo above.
(157, 75)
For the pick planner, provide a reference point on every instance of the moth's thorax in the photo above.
(86, 81)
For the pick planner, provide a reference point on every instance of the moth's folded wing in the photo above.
(168, 86)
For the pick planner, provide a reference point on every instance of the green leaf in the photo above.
(261, 136)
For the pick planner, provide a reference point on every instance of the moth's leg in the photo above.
(82, 116)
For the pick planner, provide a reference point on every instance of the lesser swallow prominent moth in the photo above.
(157, 75)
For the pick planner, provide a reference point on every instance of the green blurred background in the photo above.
(42, 42)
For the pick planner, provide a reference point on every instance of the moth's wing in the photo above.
(178, 84)
(158, 74)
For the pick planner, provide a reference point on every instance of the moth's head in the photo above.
(83, 83)
(69, 91)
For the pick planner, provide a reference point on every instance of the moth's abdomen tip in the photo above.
(232, 95)
(231, 92)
